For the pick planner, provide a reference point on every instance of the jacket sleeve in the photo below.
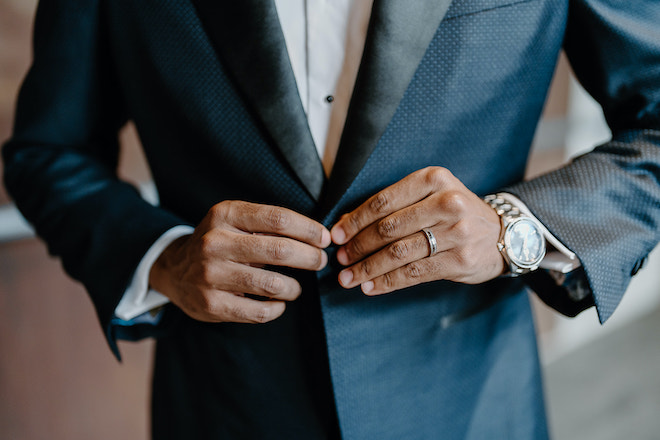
(60, 164)
(605, 205)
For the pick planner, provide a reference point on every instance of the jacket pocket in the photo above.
(459, 8)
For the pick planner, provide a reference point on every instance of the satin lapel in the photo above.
(249, 40)
(398, 36)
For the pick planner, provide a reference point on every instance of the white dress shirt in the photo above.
(325, 40)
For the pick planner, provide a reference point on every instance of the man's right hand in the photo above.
(208, 273)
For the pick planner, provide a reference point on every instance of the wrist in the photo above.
(160, 274)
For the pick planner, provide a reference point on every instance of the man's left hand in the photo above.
(386, 250)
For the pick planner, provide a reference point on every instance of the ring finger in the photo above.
(398, 254)
(441, 266)
(396, 226)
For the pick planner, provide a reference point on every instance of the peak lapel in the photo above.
(249, 40)
(398, 36)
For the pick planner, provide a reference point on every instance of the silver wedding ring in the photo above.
(433, 244)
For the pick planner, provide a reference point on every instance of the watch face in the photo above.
(524, 243)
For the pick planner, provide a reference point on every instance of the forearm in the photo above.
(60, 164)
(99, 227)
(605, 206)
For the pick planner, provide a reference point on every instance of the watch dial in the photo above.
(525, 244)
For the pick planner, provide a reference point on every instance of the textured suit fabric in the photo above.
(615, 214)
(441, 360)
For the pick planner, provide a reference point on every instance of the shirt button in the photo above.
(329, 98)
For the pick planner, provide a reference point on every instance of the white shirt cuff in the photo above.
(138, 298)
(561, 259)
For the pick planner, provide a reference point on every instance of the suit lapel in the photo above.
(249, 40)
(398, 36)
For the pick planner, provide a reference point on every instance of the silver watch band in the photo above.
(502, 206)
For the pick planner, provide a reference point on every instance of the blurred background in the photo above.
(58, 379)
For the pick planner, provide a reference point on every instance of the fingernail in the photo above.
(342, 256)
(345, 277)
(324, 259)
(325, 238)
(338, 235)
(367, 287)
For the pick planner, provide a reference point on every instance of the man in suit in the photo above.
(407, 325)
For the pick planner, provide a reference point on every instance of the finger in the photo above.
(406, 192)
(441, 208)
(276, 251)
(398, 254)
(393, 227)
(439, 267)
(252, 217)
(228, 307)
(245, 279)
(258, 249)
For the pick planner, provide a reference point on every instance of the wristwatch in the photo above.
(521, 241)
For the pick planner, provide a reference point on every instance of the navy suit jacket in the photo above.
(459, 84)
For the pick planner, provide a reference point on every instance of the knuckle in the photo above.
(354, 222)
(389, 227)
(261, 315)
(453, 202)
(399, 250)
(380, 202)
(277, 219)
(219, 211)
(216, 211)
(206, 274)
(388, 281)
(437, 176)
(314, 233)
(365, 267)
(273, 285)
(279, 250)
(236, 312)
(413, 271)
(207, 244)
(355, 249)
